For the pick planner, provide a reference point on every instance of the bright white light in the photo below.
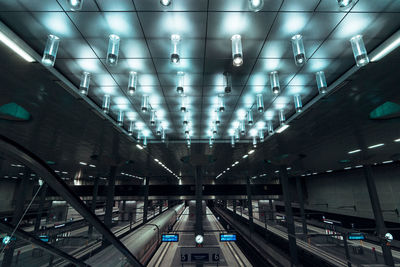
(165, 2)
(397, 140)
(156, 160)
(13, 46)
(329, 171)
(253, 132)
(245, 156)
(282, 128)
(83, 163)
(347, 168)
(358, 166)
(276, 171)
(139, 146)
(92, 166)
(374, 146)
(236, 162)
(354, 151)
(387, 161)
(251, 152)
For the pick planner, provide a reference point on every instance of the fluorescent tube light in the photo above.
(16, 48)
(388, 46)
(374, 146)
(282, 128)
(354, 151)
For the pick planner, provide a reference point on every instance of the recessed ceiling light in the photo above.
(282, 128)
(375, 146)
(347, 168)
(16, 48)
(397, 140)
(245, 156)
(251, 151)
(329, 171)
(165, 2)
(387, 161)
(83, 163)
(354, 151)
(92, 166)
(139, 146)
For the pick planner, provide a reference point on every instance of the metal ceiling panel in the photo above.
(176, 5)
(228, 5)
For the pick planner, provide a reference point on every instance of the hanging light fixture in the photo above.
(210, 142)
(297, 103)
(132, 82)
(256, 5)
(221, 104)
(270, 128)
(75, 5)
(274, 79)
(153, 117)
(162, 135)
(145, 103)
(186, 118)
(106, 104)
(175, 48)
(113, 50)
(260, 103)
(139, 136)
(359, 51)
(321, 82)
(183, 103)
(120, 118)
(261, 135)
(298, 50)
(242, 127)
(181, 82)
(131, 127)
(237, 135)
(216, 117)
(227, 82)
(159, 128)
(50, 50)
(85, 82)
(250, 117)
(165, 2)
(145, 141)
(281, 117)
(188, 141)
(232, 140)
(344, 4)
(237, 53)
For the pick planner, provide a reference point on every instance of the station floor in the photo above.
(168, 254)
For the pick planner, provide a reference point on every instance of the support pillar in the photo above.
(199, 199)
(110, 199)
(146, 199)
(18, 212)
(94, 202)
(234, 206)
(40, 209)
(271, 211)
(376, 208)
(289, 216)
(249, 205)
(161, 204)
(299, 189)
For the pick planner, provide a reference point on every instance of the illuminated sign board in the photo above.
(227, 237)
(170, 238)
(44, 238)
(356, 236)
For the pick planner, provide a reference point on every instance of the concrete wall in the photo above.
(348, 188)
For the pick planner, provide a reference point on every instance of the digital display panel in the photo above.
(227, 237)
(44, 238)
(356, 236)
(170, 238)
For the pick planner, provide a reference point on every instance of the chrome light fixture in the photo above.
(242, 127)
(165, 2)
(175, 50)
(85, 82)
(183, 103)
(113, 50)
(106, 104)
(274, 79)
(186, 118)
(50, 50)
(237, 53)
(221, 104)
(281, 117)
(250, 117)
(145, 103)
(256, 5)
(227, 82)
(298, 105)
(153, 117)
(270, 128)
(260, 103)
(232, 140)
(321, 82)
(131, 127)
(261, 135)
(181, 82)
(298, 50)
(359, 51)
(344, 4)
(120, 118)
(132, 82)
(75, 5)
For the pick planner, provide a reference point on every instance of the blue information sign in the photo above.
(44, 238)
(170, 238)
(227, 237)
(356, 236)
